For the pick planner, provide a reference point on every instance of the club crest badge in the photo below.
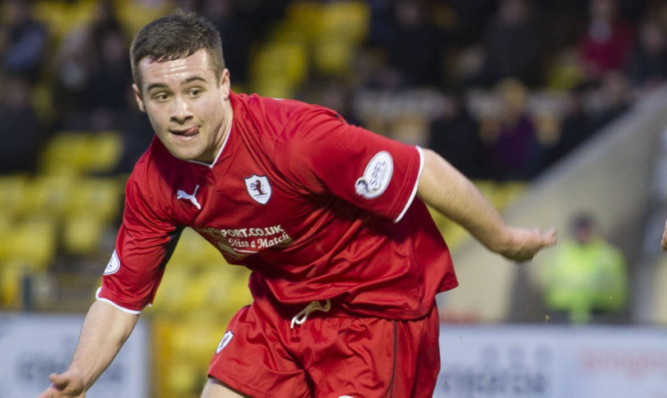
(258, 188)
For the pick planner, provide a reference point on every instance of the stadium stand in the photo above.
(58, 220)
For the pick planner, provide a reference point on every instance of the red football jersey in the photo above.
(316, 208)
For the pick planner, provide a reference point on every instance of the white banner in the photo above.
(34, 346)
(552, 362)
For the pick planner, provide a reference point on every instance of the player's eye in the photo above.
(160, 97)
(194, 92)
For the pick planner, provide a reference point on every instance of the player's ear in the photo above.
(225, 82)
(138, 98)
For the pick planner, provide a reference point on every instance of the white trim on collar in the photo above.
(224, 143)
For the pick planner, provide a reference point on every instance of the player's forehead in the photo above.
(176, 72)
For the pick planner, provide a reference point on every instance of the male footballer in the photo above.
(330, 218)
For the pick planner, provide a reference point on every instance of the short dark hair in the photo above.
(176, 36)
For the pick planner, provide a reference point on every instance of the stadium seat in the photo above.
(280, 63)
(302, 17)
(333, 57)
(82, 233)
(47, 194)
(189, 250)
(345, 20)
(183, 348)
(82, 152)
(62, 16)
(98, 196)
(169, 299)
(32, 244)
(134, 14)
(13, 188)
(11, 284)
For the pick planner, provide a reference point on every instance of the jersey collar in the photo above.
(222, 147)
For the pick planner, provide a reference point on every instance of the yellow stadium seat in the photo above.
(508, 192)
(12, 274)
(47, 195)
(453, 233)
(345, 20)
(106, 151)
(82, 152)
(189, 251)
(170, 295)
(134, 14)
(64, 16)
(278, 60)
(304, 18)
(32, 243)
(183, 348)
(274, 87)
(12, 192)
(333, 57)
(101, 196)
(82, 233)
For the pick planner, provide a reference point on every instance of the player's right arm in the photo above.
(452, 194)
(104, 332)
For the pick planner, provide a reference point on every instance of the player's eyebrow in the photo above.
(155, 85)
(194, 78)
(186, 81)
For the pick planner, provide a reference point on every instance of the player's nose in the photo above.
(180, 111)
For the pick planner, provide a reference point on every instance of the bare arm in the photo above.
(104, 332)
(445, 189)
(663, 243)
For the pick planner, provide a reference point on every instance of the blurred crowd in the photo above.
(512, 85)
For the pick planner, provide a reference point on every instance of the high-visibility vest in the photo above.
(582, 278)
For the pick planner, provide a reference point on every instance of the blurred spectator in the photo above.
(607, 42)
(563, 22)
(576, 126)
(23, 40)
(647, 66)
(73, 65)
(379, 33)
(103, 22)
(416, 46)
(512, 44)
(513, 151)
(137, 135)
(261, 15)
(471, 19)
(614, 97)
(19, 128)
(109, 83)
(235, 36)
(586, 278)
(454, 134)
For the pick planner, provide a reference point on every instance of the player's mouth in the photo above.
(192, 131)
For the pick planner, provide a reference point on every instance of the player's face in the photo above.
(187, 104)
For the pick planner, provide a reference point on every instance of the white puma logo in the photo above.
(181, 194)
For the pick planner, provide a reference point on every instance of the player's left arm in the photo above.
(448, 191)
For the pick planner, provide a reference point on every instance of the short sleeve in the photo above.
(371, 171)
(143, 247)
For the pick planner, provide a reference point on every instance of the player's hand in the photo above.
(64, 385)
(663, 244)
(525, 243)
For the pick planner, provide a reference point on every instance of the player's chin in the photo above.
(186, 152)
